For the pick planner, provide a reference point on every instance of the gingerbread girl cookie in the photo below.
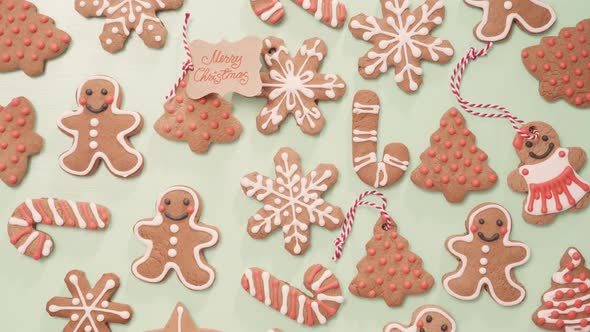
(487, 257)
(176, 239)
(428, 318)
(533, 16)
(101, 131)
(547, 172)
(122, 16)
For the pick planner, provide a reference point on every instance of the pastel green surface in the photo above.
(424, 218)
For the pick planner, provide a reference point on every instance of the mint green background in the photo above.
(426, 219)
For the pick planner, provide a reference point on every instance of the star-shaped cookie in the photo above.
(181, 321)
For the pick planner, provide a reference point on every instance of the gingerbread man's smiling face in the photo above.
(534, 151)
(433, 321)
(97, 95)
(490, 225)
(177, 205)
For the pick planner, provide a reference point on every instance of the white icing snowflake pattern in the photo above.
(126, 15)
(292, 201)
(89, 309)
(401, 39)
(293, 86)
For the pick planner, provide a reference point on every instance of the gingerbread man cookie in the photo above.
(401, 39)
(122, 16)
(89, 308)
(101, 131)
(533, 16)
(181, 321)
(18, 140)
(292, 202)
(428, 318)
(565, 305)
(547, 172)
(175, 240)
(487, 257)
(294, 86)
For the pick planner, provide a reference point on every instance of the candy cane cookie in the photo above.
(36, 244)
(365, 122)
(292, 302)
(269, 11)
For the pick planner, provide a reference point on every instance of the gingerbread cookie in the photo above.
(122, 16)
(294, 86)
(198, 122)
(269, 11)
(18, 140)
(453, 163)
(487, 257)
(292, 302)
(547, 172)
(28, 38)
(175, 240)
(533, 16)
(428, 318)
(89, 308)
(401, 40)
(365, 121)
(181, 321)
(560, 63)
(330, 12)
(292, 201)
(565, 305)
(22, 225)
(389, 270)
(101, 131)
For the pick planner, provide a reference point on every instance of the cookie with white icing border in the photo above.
(123, 16)
(427, 318)
(181, 321)
(175, 240)
(101, 131)
(487, 257)
(533, 16)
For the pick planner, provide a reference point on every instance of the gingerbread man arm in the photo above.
(68, 121)
(519, 252)
(577, 157)
(146, 231)
(516, 182)
(457, 245)
(126, 121)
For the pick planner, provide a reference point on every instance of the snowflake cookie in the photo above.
(89, 308)
(122, 16)
(401, 40)
(293, 86)
(292, 201)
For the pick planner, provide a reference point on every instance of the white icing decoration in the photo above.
(158, 38)
(547, 174)
(109, 41)
(173, 240)
(268, 13)
(99, 153)
(174, 228)
(82, 4)
(394, 327)
(169, 265)
(93, 145)
(291, 86)
(81, 221)
(507, 5)
(292, 200)
(115, 30)
(94, 122)
(172, 252)
(150, 27)
(484, 280)
(510, 18)
(23, 247)
(36, 216)
(402, 40)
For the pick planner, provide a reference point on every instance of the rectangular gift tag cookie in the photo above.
(225, 67)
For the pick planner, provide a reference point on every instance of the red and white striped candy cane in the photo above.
(188, 64)
(456, 77)
(349, 220)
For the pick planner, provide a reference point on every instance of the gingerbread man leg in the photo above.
(78, 161)
(151, 269)
(195, 277)
(124, 159)
(502, 289)
(463, 286)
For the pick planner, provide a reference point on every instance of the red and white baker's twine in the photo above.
(349, 221)
(188, 64)
(456, 78)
